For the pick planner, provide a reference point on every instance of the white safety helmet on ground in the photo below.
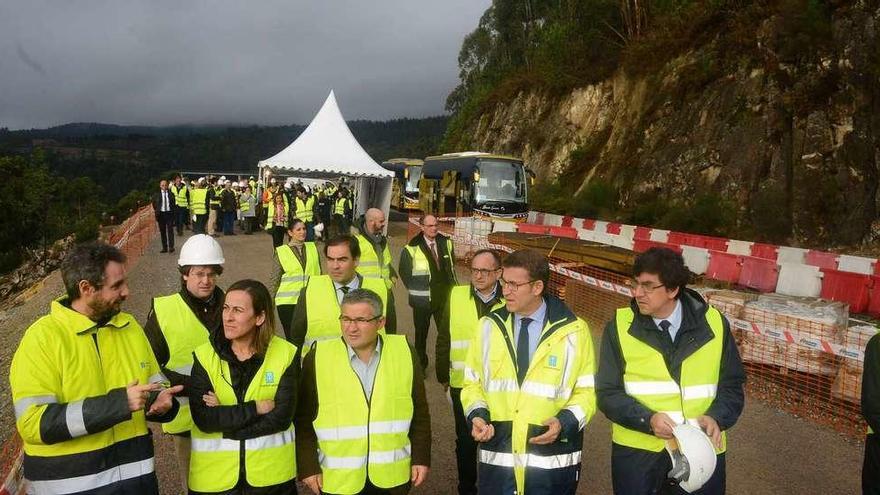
(319, 229)
(201, 249)
(693, 458)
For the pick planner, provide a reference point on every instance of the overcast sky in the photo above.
(251, 62)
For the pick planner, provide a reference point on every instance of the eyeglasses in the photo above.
(645, 286)
(482, 272)
(210, 275)
(344, 320)
(513, 286)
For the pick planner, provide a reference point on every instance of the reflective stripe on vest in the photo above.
(57, 362)
(199, 196)
(561, 365)
(305, 209)
(420, 276)
(647, 379)
(370, 266)
(356, 438)
(295, 276)
(179, 195)
(269, 459)
(183, 332)
(461, 330)
(341, 204)
(323, 307)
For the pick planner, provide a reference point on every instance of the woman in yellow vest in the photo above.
(242, 400)
(295, 262)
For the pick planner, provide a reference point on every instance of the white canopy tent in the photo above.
(327, 150)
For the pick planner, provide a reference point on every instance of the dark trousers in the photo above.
(285, 313)
(871, 466)
(182, 217)
(342, 225)
(465, 448)
(166, 228)
(640, 472)
(370, 489)
(422, 322)
(310, 231)
(277, 235)
(248, 225)
(199, 225)
(228, 222)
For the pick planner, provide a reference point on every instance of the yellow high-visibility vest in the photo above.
(463, 324)
(269, 459)
(647, 380)
(295, 275)
(361, 439)
(199, 196)
(183, 332)
(270, 212)
(369, 265)
(180, 195)
(65, 358)
(560, 376)
(305, 209)
(323, 307)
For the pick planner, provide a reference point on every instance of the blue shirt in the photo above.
(366, 372)
(536, 327)
(674, 320)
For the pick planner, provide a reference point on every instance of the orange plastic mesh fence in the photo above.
(132, 237)
(801, 358)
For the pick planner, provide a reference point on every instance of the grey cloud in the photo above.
(266, 62)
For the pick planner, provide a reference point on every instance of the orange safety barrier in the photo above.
(132, 238)
(806, 365)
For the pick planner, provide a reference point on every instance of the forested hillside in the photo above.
(757, 119)
(72, 178)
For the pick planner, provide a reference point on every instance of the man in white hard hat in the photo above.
(667, 359)
(180, 322)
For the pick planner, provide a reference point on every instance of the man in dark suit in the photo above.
(163, 206)
(428, 272)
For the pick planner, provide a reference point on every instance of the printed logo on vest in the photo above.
(551, 361)
(270, 377)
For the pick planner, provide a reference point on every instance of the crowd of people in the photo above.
(308, 378)
(214, 205)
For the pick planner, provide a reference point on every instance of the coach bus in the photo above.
(471, 182)
(405, 187)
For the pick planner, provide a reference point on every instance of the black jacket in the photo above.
(300, 322)
(442, 277)
(209, 312)
(157, 202)
(228, 201)
(625, 410)
(241, 421)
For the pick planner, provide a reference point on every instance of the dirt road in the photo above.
(770, 452)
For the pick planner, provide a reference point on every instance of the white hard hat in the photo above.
(222, 177)
(201, 179)
(273, 180)
(287, 185)
(201, 249)
(228, 182)
(693, 462)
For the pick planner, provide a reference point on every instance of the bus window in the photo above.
(500, 181)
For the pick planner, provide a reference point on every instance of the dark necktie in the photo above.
(345, 289)
(664, 332)
(522, 350)
(434, 253)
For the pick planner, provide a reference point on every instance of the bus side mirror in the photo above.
(531, 176)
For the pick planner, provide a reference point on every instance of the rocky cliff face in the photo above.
(792, 141)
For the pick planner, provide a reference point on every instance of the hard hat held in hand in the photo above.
(693, 457)
(201, 249)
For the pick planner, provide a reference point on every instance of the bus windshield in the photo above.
(501, 181)
(412, 182)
